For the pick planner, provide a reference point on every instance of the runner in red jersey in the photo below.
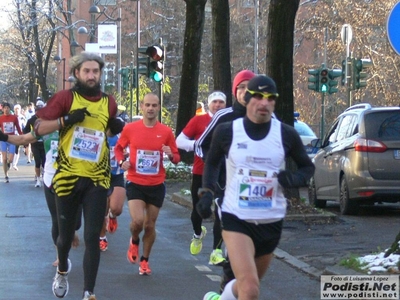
(148, 140)
(185, 140)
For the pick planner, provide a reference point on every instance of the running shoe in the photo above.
(88, 296)
(112, 223)
(197, 242)
(144, 268)
(103, 244)
(212, 296)
(133, 252)
(15, 167)
(38, 183)
(216, 258)
(60, 282)
(6, 180)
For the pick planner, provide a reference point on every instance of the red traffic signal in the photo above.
(155, 53)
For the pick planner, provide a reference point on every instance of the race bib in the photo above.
(87, 144)
(256, 189)
(147, 162)
(8, 127)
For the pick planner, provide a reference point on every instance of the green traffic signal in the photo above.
(323, 81)
(154, 62)
(314, 79)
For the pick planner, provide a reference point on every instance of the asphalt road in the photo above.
(27, 253)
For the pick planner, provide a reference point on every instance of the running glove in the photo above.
(76, 116)
(115, 125)
(3, 137)
(203, 207)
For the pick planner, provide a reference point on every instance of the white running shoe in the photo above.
(88, 296)
(38, 183)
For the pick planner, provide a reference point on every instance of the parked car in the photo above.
(359, 159)
(306, 135)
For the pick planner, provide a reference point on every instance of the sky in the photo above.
(4, 5)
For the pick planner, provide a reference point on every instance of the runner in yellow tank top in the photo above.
(82, 116)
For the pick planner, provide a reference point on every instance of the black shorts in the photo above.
(116, 180)
(265, 236)
(150, 194)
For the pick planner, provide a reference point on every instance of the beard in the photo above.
(87, 90)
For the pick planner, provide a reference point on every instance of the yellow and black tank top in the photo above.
(83, 149)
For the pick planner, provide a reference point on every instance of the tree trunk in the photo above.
(188, 92)
(221, 48)
(279, 63)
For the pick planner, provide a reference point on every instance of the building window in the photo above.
(107, 2)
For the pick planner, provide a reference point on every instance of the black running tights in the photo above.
(94, 203)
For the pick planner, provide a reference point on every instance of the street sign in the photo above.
(346, 34)
(392, 27)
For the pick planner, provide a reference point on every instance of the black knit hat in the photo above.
(260, 84)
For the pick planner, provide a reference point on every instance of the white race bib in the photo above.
(147, 162)
(87, 144)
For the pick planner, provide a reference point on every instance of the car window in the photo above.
(346, 127)
(331, 135)
(383, 125)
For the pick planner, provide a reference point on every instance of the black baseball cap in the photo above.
(261, 84)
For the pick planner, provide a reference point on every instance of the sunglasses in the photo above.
(261, 95)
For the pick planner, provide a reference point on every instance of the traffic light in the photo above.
(314, 79)
(154, 62)
(358, 76)
(125, 72)
(343, 80)
(333, 83)
(323, 81)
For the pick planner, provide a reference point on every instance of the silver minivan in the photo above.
(358, 161)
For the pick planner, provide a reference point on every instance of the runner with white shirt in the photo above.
(255, 148)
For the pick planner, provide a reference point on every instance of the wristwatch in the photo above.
(121, 162)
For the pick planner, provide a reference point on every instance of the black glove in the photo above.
(115, 125)
(76, 116)
(3, 136)
(288, 179)
(203, 207)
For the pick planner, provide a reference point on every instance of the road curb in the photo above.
(323, 216)
(186, 201)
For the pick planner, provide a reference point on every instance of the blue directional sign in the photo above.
(392, 26)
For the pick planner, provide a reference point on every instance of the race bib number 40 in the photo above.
(255, 189)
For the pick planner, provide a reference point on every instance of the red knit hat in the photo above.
(241, 76)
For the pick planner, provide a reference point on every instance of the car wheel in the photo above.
(312, 195)
(347, 207)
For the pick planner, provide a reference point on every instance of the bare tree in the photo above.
(279, 62)
(188, 91)
(35, 22)
(221, 48)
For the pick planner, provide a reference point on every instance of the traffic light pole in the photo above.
(161, 86)
(137, 56)
(322, 129)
